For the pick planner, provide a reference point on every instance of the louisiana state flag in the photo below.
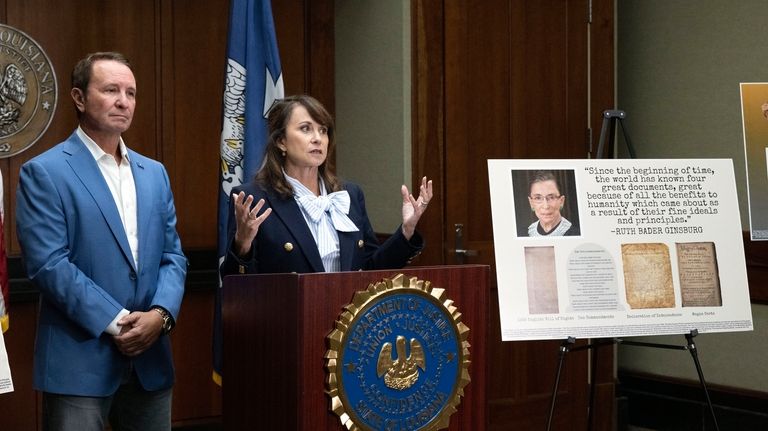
(4, 288)
(254, 79)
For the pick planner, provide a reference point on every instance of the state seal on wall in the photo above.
(28, 91)
(398, 358)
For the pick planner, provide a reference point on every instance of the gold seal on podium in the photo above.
(398, 358)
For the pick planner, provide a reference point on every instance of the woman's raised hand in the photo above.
(248, 221)
(413, 208)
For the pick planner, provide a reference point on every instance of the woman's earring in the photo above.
(283, 153)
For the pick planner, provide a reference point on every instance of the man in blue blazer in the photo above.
(97, 227)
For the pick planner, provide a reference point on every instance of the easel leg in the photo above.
(564, 348)
(592, 390)
(695, 355)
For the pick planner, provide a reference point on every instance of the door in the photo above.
(498, 79)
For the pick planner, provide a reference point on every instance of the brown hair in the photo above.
(271, 172)
(81, 74)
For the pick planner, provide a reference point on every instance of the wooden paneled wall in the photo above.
(177, 48)
(496, 79)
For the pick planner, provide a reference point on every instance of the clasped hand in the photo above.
(138, 331)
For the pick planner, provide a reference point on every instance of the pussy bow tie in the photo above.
(336, 204)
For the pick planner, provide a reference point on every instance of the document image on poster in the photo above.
(699, 278)
(592, 279)
(541, 281)
(648, 275)
(639, 255)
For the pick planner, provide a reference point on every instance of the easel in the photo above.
(608, 131)
(567, 346)
(610, 118)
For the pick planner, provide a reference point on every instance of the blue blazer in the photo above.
(77, 254)
(284, 242)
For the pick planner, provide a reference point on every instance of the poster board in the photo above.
(654, 247)
(6, 384)
(754, 120)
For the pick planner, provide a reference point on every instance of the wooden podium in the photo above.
(275, 328)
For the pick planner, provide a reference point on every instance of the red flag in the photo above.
(4, 288)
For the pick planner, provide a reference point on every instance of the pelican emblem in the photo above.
(13, 94)
(402, 372)
(378, 352)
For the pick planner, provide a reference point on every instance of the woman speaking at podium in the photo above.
(296, 215)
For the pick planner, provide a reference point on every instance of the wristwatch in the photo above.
(167, 319)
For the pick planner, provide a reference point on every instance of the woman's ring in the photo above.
(424, 204)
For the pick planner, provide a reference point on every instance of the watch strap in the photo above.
(168, 323)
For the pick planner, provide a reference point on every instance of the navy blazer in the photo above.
(77, 254)
(284, 242)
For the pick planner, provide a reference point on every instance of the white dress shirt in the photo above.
(119, 179)
(325, 215)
